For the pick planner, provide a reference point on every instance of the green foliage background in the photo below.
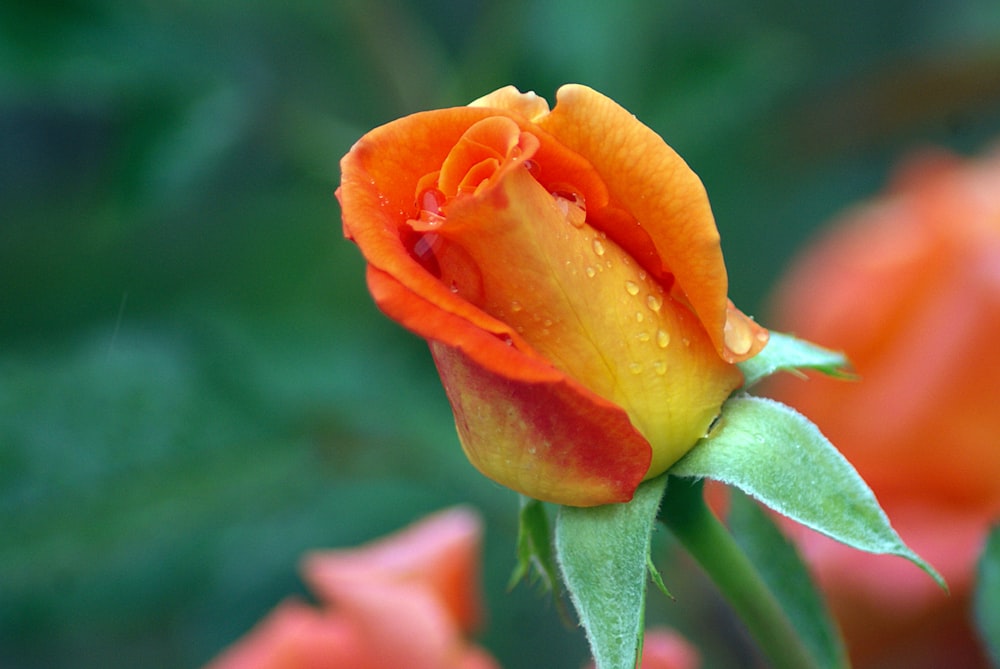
(194, 385)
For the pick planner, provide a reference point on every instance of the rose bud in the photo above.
(565, 268)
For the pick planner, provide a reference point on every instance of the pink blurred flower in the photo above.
(666, 649)
(908, 285)
(407, 600)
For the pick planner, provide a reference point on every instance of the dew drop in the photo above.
(662, 338)
(598, 247)
(655, 302)
(686, 341)
(569, 194)
(515, 306)
(431, 200)
(737, 337)
(547, 322)
(431, 220)
(631, 287)
(660, 367)
(590, 271)
(571, 204)
(639, 317)
(642, 275)
(635, 367)
(642, 336)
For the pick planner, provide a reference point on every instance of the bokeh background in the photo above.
(194, 385)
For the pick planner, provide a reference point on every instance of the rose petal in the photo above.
(553, 441)
(648, 178)
(297, 636)
(440, 552)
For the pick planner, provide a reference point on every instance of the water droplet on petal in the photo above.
(598, 247)
(590, 271)
(431, 200)
(642, 336)
(737, 336)
(662, 338)
(660, 367)
(635, 367)
(631, 287)
(655, 302)
(515, 306)
(571, 204)
(639, 317)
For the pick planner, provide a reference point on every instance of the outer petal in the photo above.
(646, 177)
(441, 553)
(297, 636)
(395, 156)
(402, 625)
(547, 440)
(577, 467)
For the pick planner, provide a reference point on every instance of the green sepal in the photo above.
(778, 456)
(603, 553)
(656, 577)
(781, 568)
(534, 546)
(987, 595)
(789, 354)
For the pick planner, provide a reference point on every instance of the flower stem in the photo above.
(686, 515)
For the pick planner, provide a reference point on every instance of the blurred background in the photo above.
(194, 385)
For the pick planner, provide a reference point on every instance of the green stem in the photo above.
(709, 542)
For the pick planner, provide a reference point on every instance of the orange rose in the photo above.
(565, 267)
(404, 601)
(908, 287)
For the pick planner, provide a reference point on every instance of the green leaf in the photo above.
(780, 567)
(987, 595)
(534, 545)
(778, 456)
(786, 353)
(603, 553)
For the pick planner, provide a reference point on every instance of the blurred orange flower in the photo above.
(566, 269)
(666, 649)
(909, 287)
(407, 600)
